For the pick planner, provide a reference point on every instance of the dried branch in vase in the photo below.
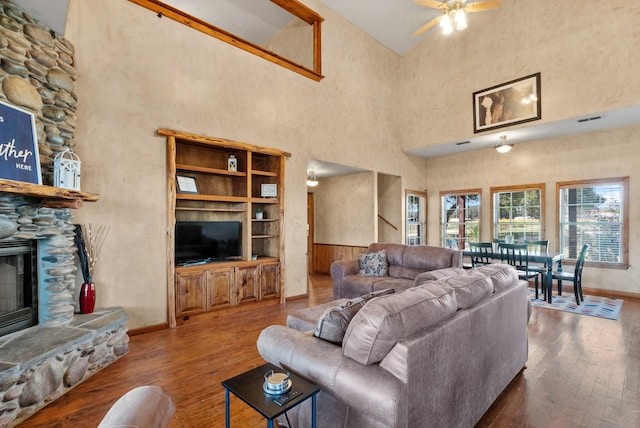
(89, 239)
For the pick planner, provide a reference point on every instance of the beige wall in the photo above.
(345, 208)
(597, 155)
(586, 56)
(137, 73)
(391, 207)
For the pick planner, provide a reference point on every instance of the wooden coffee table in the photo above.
(248, 387)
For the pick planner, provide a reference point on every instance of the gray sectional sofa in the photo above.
(434, 355)
(405, 265)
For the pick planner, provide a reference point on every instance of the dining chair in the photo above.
(481, 253)
(517, 255)
(452, 243)
(496, 244)
(575, 277)
(538, 246)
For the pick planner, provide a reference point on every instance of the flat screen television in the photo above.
(204, 241)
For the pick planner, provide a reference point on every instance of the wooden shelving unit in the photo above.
(224, 195)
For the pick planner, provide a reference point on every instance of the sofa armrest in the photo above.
(144, 406)
(339, 270)
(368, 388)
(456, 259)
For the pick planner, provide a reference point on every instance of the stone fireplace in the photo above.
(18, 286)
(41, 362)
(51, 231)
(44, 353)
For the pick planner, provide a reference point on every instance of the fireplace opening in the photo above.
(18, 286)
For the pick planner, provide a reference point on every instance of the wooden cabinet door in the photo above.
(247, 284)
(220, 288)
(190, 292)
(270, 281)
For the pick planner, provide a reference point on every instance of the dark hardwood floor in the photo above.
(582, 371)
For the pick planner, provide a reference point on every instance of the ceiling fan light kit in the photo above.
(453, 12)
(461, 19)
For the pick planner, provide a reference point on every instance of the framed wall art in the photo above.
(511, 103)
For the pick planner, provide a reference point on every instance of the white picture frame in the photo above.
(269, 190)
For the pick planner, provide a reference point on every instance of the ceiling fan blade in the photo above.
(427, 26)
(434, 4)
(482, 5)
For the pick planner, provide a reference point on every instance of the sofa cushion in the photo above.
(502, 275)
(394, 251)
(374, 264)
(334, 321)
(425, 257)
(399, 271)
(376, 328)
(434, 275)
(399, 284)
(470, 288)
(410, 261)
(357, 285)
(307, 319)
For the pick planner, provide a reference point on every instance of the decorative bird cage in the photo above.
(66, 170)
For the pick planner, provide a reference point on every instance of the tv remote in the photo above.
(286, 397)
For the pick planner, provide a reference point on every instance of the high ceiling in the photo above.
(51, 12)
(391, 22)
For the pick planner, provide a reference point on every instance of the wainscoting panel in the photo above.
(325, 254)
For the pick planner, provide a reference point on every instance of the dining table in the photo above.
(547, 258)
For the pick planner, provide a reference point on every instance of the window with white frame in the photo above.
(595, 212)
(518, 212)
(416, 224)
(460, 218)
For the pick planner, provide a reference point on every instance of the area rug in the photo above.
(595, 306)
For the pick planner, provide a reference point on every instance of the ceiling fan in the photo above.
(453, 13)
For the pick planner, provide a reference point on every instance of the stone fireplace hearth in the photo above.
(41, 363)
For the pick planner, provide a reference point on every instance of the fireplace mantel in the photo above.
(52, 197)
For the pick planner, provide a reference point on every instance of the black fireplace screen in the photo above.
(18, 286)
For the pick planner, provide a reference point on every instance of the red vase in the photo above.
(87, 298)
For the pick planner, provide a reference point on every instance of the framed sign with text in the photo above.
(19, 159)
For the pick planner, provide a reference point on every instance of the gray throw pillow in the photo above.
(334, 321)
(374, 264)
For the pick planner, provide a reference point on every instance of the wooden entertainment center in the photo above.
(218, 191)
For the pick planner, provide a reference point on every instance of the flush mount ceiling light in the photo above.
(312, 180)
(503, 146)
(453, 13)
